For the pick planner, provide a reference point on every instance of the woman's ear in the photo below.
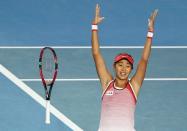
(114, 66)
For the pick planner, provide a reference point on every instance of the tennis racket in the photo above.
(48, 67)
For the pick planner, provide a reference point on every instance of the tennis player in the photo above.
(120, 92)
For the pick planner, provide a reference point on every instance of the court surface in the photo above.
(77, 91)
(27, 26)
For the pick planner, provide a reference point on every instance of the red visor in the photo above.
(124, 56)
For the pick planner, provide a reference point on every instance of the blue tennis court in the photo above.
(27, 26)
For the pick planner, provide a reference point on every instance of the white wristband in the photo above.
(94, 27)
(150, 34)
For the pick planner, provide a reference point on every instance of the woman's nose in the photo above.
(123, 68)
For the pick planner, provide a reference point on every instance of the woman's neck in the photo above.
(121, 83)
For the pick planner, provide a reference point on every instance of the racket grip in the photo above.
(47, 115)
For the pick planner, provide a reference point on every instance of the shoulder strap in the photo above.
(132, 91)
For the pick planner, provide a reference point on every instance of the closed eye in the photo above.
(128, 66)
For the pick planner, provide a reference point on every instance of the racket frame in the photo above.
(45, 85)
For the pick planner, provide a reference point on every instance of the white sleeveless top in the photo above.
(118, 107)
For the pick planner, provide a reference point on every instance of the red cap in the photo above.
(124, 56)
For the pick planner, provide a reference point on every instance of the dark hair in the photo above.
(124, 59)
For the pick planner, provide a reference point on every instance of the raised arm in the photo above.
(101, 68)
(139, 76)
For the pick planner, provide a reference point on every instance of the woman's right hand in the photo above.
(98, 19)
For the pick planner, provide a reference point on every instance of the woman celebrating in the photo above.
(119, 92)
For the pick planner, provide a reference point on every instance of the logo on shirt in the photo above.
(109, 93)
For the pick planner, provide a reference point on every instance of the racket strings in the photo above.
(48, 65)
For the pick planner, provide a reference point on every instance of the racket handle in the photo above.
(47, 115)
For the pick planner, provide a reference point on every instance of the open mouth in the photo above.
(123, 73)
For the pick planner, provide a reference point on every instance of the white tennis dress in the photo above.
(118, 107)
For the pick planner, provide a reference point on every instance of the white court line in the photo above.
(38, 98)
(89, 47)
(96, 79)
(81, 79)
(165, 79)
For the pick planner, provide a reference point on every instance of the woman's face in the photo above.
(122, 69)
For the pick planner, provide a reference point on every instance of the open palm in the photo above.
(98, 19)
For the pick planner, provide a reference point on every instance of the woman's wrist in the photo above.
(150, 34)
(94, 27)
